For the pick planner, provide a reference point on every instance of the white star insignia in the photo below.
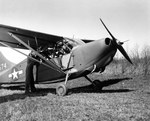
(14, 75)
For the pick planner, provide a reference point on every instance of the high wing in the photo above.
(25, 39)
(32, 38)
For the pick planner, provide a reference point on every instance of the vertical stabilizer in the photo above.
(4, 63)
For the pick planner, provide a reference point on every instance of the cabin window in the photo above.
(59, 49)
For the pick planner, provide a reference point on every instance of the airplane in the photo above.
(62, 58)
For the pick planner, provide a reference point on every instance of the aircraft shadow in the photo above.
(91, 89)
(45, 91)
(17, 96)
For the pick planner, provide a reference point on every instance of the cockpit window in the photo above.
(60, 48)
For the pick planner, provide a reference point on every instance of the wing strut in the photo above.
(38, 54)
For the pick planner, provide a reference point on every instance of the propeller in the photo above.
(117, 44)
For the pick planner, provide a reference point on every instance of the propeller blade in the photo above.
(108, 30)
(117, 45)
(121, 49)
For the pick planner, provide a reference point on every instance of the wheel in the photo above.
(61, 90)
(97, 85)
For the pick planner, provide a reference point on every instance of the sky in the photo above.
(126, 19)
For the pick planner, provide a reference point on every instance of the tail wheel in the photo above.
(61, 90)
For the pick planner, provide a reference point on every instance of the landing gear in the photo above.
(97, 85)
(61, 90)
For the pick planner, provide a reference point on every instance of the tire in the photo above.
(61, 90)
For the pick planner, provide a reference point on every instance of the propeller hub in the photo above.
(120, 43)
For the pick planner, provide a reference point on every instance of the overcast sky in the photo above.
(126, 19)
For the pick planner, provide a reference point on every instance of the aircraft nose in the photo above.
(107, 41)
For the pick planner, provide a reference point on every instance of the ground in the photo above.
(123, 98)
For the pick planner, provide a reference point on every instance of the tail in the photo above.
(4, 63)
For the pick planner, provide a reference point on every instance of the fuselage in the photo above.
(83, 59)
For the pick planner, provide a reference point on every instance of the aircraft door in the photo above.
(67, 61)
(78, 58)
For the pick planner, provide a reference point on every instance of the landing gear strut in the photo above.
(61, 89)
(96, 83)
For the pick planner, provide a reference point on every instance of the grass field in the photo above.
(125, 97)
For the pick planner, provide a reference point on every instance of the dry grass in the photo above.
(141, 66)
(122, 99)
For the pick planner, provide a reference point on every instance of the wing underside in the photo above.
(32, 38)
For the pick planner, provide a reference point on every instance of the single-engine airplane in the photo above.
(62, 58)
